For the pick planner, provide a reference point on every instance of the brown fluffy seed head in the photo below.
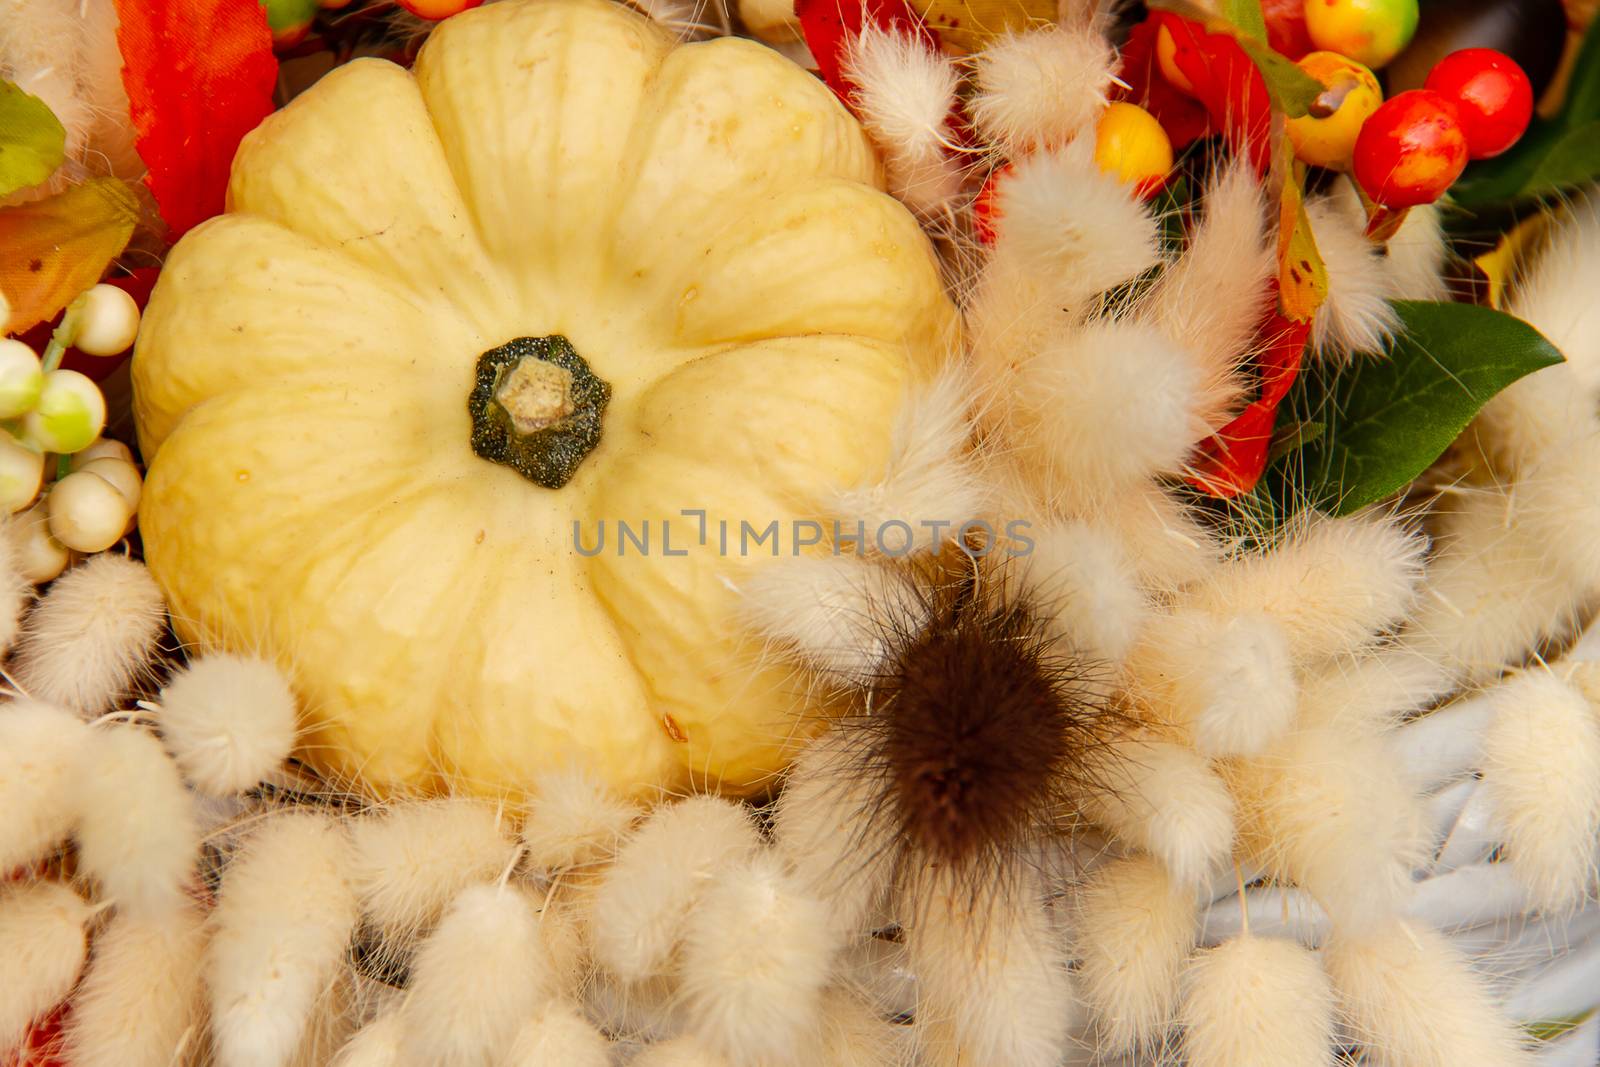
(982, 721)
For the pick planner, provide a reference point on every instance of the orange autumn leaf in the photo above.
(59, 246)
(200, 75)
(1302, 276)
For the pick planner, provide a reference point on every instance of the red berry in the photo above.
(1492, 94)
(1410, 150)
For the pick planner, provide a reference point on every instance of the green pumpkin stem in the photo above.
(537, 408)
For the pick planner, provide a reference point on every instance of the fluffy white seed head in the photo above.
(1493, 593)
(1060, 215)
(1167, 546)
(138, 836)
(1257, 1000)
(1356, 316)
(1079, 575)
(1227, 681)
(678, 1052)
(854, 1034)
(904, 93)
(1541, 766)
(42, 949)
(824, 827)
(377, 1044)
(40, 749)
(927, 478)
(1166, 799)
(573, 820)
(991, 970)
(838, 612)
(1100, 409)
(476, 979)
(638, 911)
(1333, 813)
(139, 1005)
(1370, 692)
(1416, 260)
(1210, 301)
(1041, 88)
(1132, 930)
(279, 935)
(757, 953)
(92, 636)
(408, 862)
(558, 1036)
(1554, 295)
(1413, 1002)
(228, 720)
(1332, 584)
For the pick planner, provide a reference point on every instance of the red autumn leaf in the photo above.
(1232, 460)
(200, 75)
(1229, 95)
(829, 25)
(57, 247)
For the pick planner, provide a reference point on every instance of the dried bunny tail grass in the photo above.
(836, 612)
(278, 938)
(1541, 768)
(1413, 1002)
(684, 1051)
(1210, 301)
(1371, 692)
(1356, 316)
(559, 1036)
(1557, 295)
(377, 1044)
(573, 820)
(1086, 587)
(991, 970)
(927, 479)
(40, 750)
(826, 826)
(16, 592)
(1228, 682)
(43, 945)
(1494, 592)
(638, 911)
(476, 979)
(980, 726)
(1167, 800)
(904, 94)
(853, 1034)
(1059, 214)
(1415, 263)
(139, 1005)
(1332, 813)
(1256, 1000)
(1334, 585)
(1132, 929)
(1162, 538)
(92, 636)
(408, 861)
(138, 836)
(1100, 409)
(228, 720)
(1041, 88)
(757, 954)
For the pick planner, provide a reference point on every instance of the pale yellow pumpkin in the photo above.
(702, 223)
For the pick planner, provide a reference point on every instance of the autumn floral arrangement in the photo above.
(846, 533)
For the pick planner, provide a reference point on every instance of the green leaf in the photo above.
(1573, 160)
(32, 141)
(1387, 420)
(1246, 16)
(1291, 89)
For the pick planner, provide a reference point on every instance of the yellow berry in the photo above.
(1327, 135)
(21, 378)
(1369, 31)
(69, 415)
(1130, 143)
(108, 321)
(21, 474)
(40, 557)
(87, 513)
